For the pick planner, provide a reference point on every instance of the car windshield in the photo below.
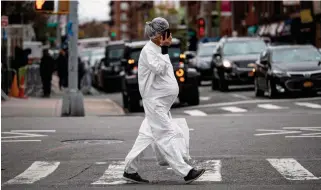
(174, 53)
(244, 47)
(115, 53)
(296, 55)
(206, 51)
(135, 54)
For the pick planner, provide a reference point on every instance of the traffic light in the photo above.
(44, 6)
(201, 27)
(63, 7)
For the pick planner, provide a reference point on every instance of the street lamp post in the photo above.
(72, 104)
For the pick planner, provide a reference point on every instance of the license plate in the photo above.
(308, 84)
(251, 74)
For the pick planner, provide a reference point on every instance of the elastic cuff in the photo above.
(164, 50)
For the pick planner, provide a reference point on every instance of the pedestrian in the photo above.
(47, 66)
(81, 72)
(62, 62)
(159, 89)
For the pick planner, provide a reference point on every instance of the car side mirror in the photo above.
(217, 56)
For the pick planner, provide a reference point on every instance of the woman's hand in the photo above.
(166, 41)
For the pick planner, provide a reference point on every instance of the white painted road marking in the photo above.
(25, 134)
(34, 131)
(205, 98)
(270, 106)
(309, 105)
(20, 140)
(291, 169)
(113, 175)
(195, 113)
(274, 132)
(35, 172)
(213, 171)
(240, 96)
(233, 109)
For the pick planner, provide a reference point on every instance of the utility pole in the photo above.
(72, 104)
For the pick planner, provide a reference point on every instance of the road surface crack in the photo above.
(82, 171)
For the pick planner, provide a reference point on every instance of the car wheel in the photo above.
(215, 85)
(271, 90)
(258, 91)
(193, 97)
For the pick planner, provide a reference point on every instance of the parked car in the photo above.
(234, 60)
(203, 60)
(108, 72)
(288, 69)
(187, 78)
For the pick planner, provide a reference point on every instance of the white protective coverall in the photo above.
(159, 90)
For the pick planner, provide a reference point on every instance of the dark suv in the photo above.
(187, 78)
(234, 61)
(108, 71)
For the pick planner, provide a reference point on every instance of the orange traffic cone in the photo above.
(22, 88)
(14, 92)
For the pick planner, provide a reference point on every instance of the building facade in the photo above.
(127, 19)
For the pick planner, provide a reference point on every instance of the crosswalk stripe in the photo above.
(205, 98)
(35, 172)
(291, 169)
(233, 109)
(113, 175)
(270, 106)
(213, 171)
(309, 105)
(195, 113)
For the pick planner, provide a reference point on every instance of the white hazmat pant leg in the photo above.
(167, 139)
(133, 157)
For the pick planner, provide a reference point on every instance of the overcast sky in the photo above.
(93, 9)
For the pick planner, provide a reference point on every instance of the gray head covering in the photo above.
(156, 26)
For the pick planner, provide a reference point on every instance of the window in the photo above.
(124, 27)
(124, 6)
(246, 47)
(123, 17)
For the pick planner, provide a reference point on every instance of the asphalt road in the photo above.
(251, 151)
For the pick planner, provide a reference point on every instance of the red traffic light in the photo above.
(201, 21)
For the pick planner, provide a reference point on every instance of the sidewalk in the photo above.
(39, 107)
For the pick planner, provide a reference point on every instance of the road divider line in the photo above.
(270, 106)
(213, 171)
(233, 109)
(240, 96)
(35, 131)
(309, 105)
(37, 171)
(291, 169)
(195, 113)
(113, 175)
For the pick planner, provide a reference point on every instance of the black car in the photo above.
(187, 77)
(234, 60)
(108, 72)
(288, 69)
(203, 59)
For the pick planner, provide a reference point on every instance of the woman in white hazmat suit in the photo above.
(159, 90)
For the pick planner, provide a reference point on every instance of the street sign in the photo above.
(4, 21)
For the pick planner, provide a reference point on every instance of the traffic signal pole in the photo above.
(72, 103)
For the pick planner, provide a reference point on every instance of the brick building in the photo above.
(128, 18)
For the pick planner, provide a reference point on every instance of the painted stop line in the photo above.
(21, 135)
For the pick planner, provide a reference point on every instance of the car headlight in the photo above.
(227, 64)
(279, 73)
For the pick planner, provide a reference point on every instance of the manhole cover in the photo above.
(93, 141)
